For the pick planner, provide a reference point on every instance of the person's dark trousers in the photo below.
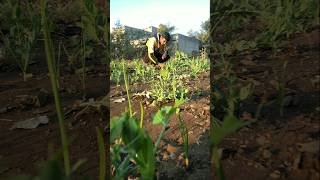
(158, 55)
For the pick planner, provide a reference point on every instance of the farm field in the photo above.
(53, 90)
(265, 89)
(182, 78)
(76, 102)
(23, 150)
(278, 146)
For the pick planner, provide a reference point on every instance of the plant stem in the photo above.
(216, 162)
(57, 66)
(142, 114)
(83, 63)
(127, 87)
(50, 61)
(160, 136)
(102, 155)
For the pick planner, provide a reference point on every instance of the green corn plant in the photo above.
(83, 64)
(95, 24)
(94, 33)
(118, 78)
(102, 155)
(86, 50)
(225, 116)
(72, 55)
(196, 67)
(53, 77)
(229, 125)
(115, 72)
(141, 114)
(126, 82)
(140, 71)
(280, 87)
(283, 18)
(174, 87)
(22, 36)
(169, 84)
(56, 66)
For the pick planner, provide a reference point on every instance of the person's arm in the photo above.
(152, 58)
(150, 45)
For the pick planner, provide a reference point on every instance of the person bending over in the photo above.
(157, 53)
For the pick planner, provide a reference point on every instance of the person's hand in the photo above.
(161, 65)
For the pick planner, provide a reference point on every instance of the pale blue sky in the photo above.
(183, 14)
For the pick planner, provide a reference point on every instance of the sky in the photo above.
(185, 15)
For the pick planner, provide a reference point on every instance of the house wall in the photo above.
(186, 44)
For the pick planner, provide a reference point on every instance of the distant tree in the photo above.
(205, 25)
(120, 43)
(118, 24)
(166, 28)
(192, 33)
(203, 34)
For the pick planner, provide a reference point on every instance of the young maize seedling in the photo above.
(56, 66)
(21, 39)
(102, 155)
(141, 114)
(126, 80)
(281, 89)
(83, 65)
(225, 103)
(53, 77)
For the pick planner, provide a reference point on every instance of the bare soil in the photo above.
(279, 147)
(22, 151)
(195, 114)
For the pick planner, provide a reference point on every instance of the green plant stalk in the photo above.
(102, 155)
(127, 88)
(163, 130)
(70, 56)
(118, 75)
(21, 61)
(83, 63)
(217, 164)
(57, 66)
(24, 69)
(50, 61)
(141, 115)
